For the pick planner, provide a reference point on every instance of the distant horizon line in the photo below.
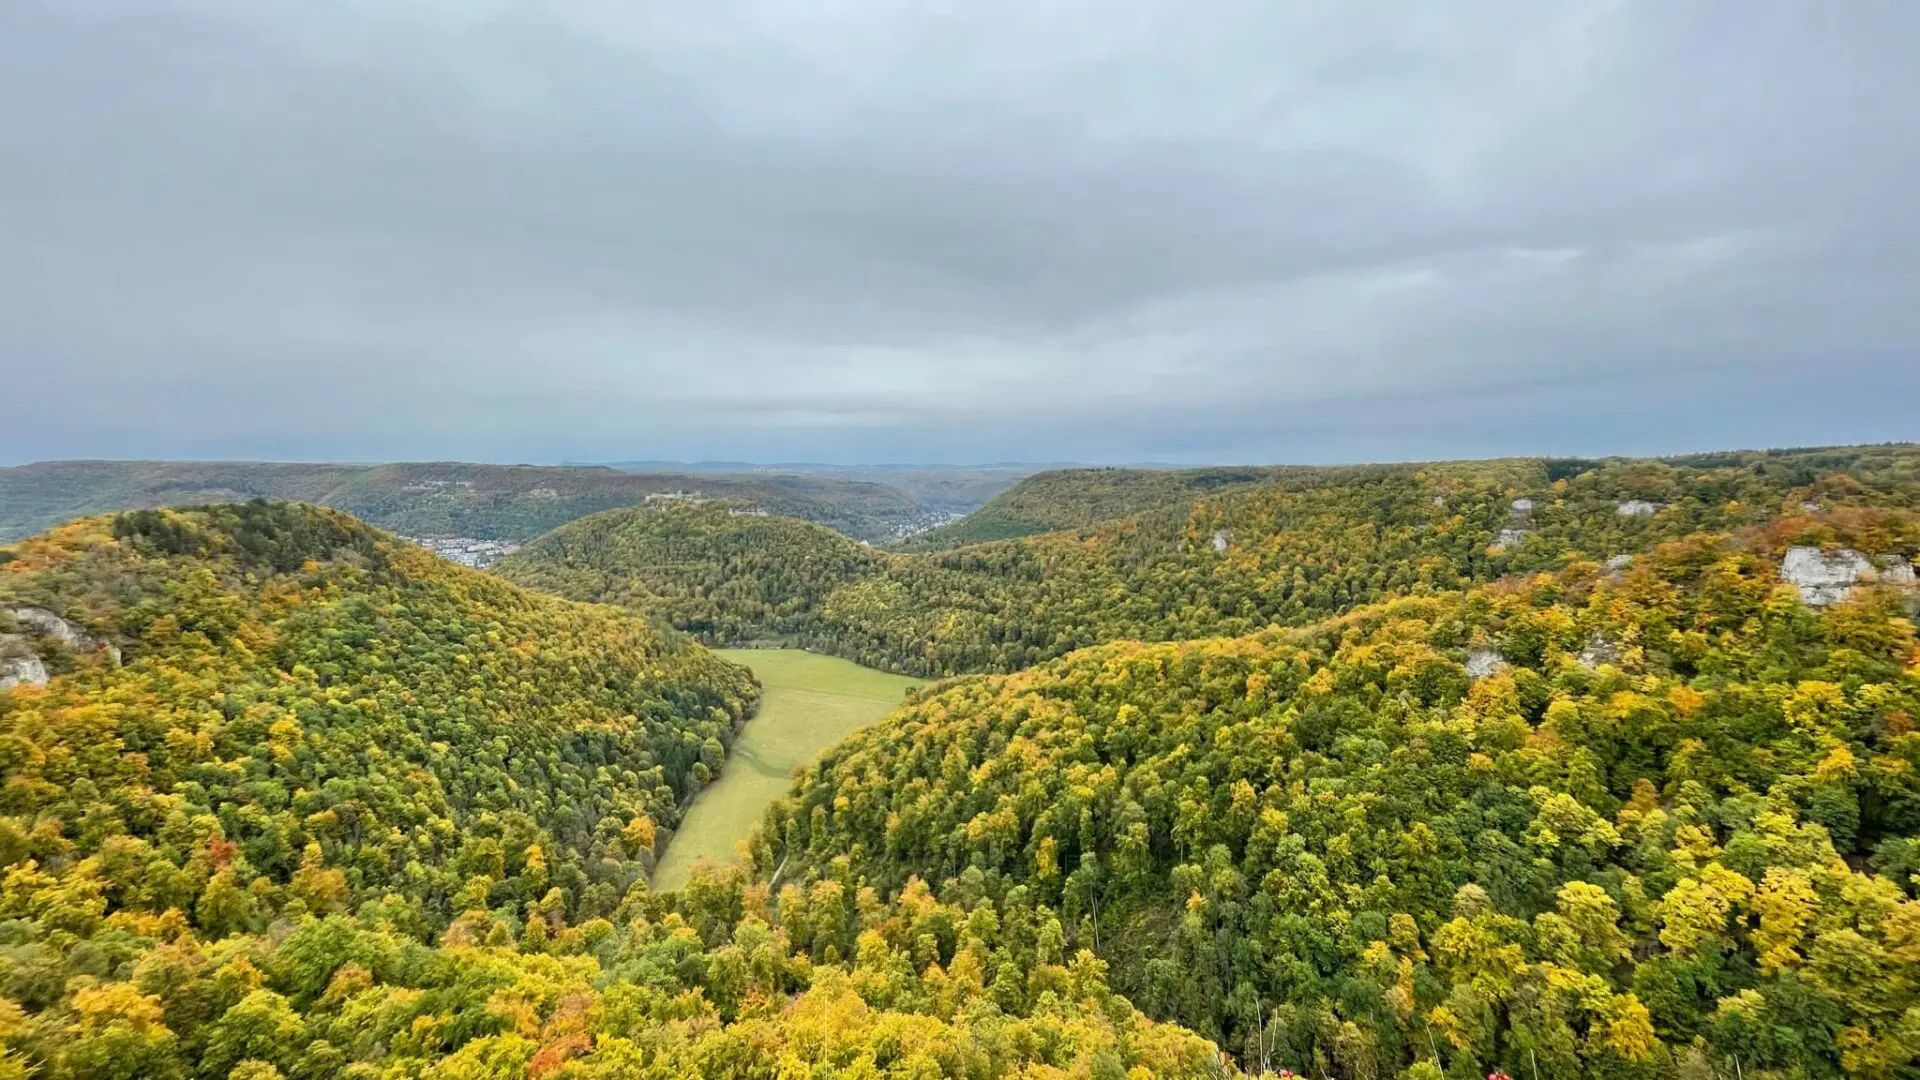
(710, 464)
(727, 465)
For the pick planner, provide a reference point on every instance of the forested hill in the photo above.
(1654, 822)
(726, 575)
(499, 502)
(282, 798)
(1081, 498)
(290, 681)
(1288, 552)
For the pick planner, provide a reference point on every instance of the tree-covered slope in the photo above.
(1288, 552)
(1659, 822)
(1081, 498)
(291, 685)
(504, 502)
(296, 800)
(713, 570)
(945, 488)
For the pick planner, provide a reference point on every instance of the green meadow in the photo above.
(810, 703)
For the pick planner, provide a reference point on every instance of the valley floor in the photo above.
(811, 703)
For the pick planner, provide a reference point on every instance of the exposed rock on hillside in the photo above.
(1823, 577)
(1506, 538)
(1220, 537)
(1484, 662)
(1599, 651)
(22, 662)
(1521, 508)
(1638, 508)
(19, 668)
(1827, 577)
(47, 624)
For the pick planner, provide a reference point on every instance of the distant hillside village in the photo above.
(905, 530)
(466, 550)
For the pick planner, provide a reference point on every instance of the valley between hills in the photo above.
(1535, 767)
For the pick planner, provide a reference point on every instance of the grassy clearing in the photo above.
(811, 703)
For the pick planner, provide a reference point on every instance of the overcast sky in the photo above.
(860, 230)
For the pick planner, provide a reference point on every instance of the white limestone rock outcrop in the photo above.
(1484, 662)
(1638, 508)
(21, 659)
(1522, 507)
(19, 668)
(1828, 577)
(1619, 563)
(1220, 538)
(1507, 538)
(1823, 577)
(45, 623)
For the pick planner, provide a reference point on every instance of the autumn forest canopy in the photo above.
(1541, 767)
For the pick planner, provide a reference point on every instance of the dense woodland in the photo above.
(1673, 830)
(1080, 498)
(1291, 552)
(306, 802)
(1359, 773)
(725, 575)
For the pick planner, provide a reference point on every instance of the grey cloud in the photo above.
(896, 230)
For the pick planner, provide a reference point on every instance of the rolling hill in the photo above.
(287, 799)
(1655, 822)
(726, 576)
(1080, 498)
(313, 682)
(1537, 767)
(956, 489)
(1288, 552)
(489, 502)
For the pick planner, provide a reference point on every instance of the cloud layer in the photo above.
(877, 230)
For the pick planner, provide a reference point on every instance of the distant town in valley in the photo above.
(466, 550)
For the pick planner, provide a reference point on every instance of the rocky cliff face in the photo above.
(22, 654)
(1828, 577)
(1484, 662)
(45, 623)
(20, 669)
